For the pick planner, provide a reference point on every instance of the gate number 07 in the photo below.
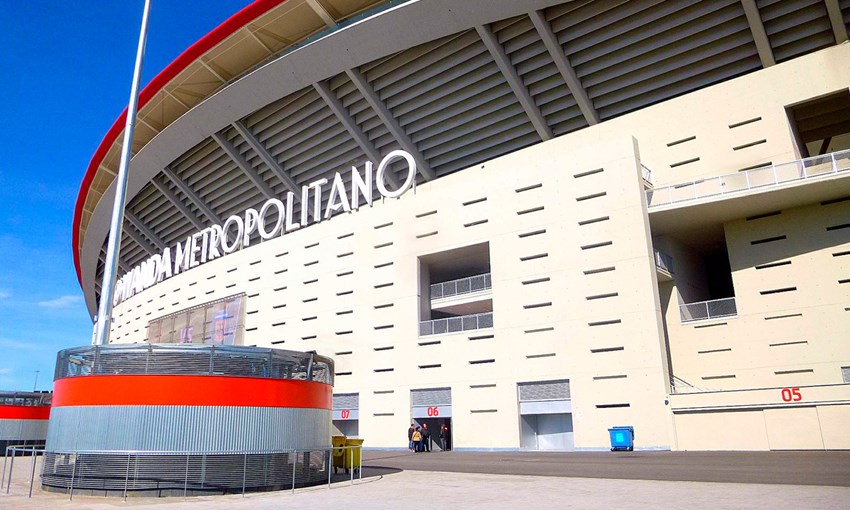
(791, 395)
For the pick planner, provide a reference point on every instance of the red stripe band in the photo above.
(24, 412)
(190, 390)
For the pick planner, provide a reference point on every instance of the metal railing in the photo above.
(456, 324)
(773, 175)
(679, 386)
(186, 359)
(33, 451)
(646, 173)
(25, 398)
(703, 310)
(664, 261)
(186, 473)
(461, 286)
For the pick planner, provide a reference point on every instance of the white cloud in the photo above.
(4, 294)
(5, 371)
(61, 302)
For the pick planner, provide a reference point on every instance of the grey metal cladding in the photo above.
(346, 401)
(450, 98)
(845, 373)
(23, 430)
(197, 429)
(544, 390)
(431, 397)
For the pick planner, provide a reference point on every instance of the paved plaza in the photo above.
(473, 480)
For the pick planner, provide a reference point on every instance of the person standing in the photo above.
(417, 440)
(426, 438)
(410, 432)
(444, 437)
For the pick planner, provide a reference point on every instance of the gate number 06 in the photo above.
(791, 395)
(433, 411)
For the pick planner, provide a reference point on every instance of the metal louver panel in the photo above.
(641, 52)
(845, 12)
(347, 401)
(544, 390)
(431, 397)
(845, 373)
(795, 27)
(450, 98)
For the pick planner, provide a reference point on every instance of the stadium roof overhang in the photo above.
(286, 92)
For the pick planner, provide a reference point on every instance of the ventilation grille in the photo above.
(431, 397)
(544, 390)
(347, 401)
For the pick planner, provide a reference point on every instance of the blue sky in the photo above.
(66, 69)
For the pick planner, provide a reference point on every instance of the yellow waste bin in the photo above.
(352, 454)
(338, 452)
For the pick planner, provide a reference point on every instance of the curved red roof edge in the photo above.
(190, 55)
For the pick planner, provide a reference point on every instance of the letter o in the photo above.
(411, 173)
(261, 222)
(240, 229)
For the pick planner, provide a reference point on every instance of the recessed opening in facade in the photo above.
(821, 125)
(455, 290)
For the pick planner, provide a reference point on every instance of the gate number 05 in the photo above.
(433, 411)
(791, 395)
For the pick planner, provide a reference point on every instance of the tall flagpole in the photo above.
(107, 289)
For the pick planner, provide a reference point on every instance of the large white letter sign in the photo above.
(235, 233)
(383, 167)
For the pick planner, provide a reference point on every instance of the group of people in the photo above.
(419, 438)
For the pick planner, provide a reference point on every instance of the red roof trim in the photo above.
(194, 52)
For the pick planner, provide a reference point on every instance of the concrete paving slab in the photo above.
(410, 489)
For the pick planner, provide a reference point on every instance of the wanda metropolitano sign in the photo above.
(235, 232)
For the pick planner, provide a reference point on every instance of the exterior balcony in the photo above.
(453, 296)
(663, 266)
(706, 310)
(794, 173)
(646, 173)
(696, 205)
(456, 324)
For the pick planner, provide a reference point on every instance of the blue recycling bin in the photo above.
(622, 438)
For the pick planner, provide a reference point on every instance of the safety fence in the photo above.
(184, 359)
(456, 324)
(186, 474)
(461, 286)
(703, 310)
(646, 173)
(756, 178)
(664, 261)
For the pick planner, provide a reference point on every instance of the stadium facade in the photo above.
(529, 220)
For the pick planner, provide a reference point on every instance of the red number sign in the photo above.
(345, 413)
(433, 411)
(791, 395)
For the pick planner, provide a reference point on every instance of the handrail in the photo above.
(762, 177)
(332, 457)
(664, 261)
(646, 173)
(460, 286)
(456, 324)
(703, 310)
